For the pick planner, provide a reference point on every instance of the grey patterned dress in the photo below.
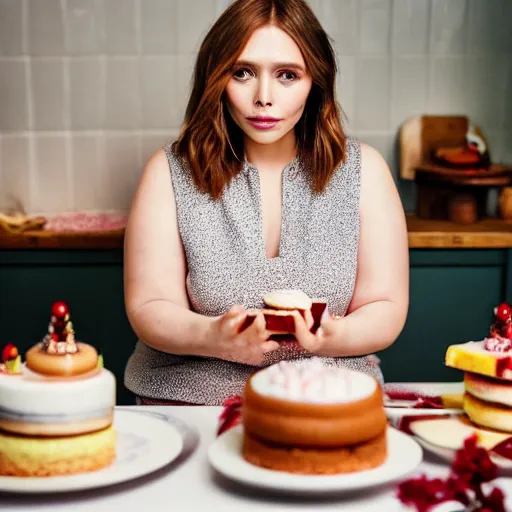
(227, 263)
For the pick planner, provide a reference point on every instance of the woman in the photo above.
(262, 190)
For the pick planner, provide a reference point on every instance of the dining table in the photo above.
(191, 483)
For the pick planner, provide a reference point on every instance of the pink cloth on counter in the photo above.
(86, 222)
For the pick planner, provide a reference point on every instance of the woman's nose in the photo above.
(263, 95)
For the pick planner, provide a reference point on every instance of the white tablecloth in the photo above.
(194, 486)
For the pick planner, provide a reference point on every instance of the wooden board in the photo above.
(421, 134)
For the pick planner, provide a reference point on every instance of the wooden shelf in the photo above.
(490, 233)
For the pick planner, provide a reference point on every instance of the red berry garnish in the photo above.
(9, 352)
(503, 312)
(60, 309)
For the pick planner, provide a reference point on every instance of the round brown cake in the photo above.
(305, 417)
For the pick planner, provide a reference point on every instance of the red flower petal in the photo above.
(473, 464)
(423, 492)
(494, 501)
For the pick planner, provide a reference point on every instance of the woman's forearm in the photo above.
(370, 328)
(164, 326)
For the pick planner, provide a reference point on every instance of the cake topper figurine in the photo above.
(60, 338)
(11, 360)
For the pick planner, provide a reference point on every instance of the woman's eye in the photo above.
(242, 74)
(288, 76)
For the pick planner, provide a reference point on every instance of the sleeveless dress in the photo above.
(227, 264)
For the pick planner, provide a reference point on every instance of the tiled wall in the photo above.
(90, 88)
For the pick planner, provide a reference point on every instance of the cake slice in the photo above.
(473, 356)
(280, 304)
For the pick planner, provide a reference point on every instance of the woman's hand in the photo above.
(327, 335)
(248, 346)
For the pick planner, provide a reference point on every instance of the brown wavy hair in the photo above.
(210, 141)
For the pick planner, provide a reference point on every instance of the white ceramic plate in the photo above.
(146, 443)
(395, 414)
(225, 455)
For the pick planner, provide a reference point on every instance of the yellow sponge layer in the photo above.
(38, 456)
(465, 357)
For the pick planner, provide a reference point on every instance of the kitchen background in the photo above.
(90, 88)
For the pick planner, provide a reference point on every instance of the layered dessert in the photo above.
(305, 417)
(487, 366)
(279, 308)
(57, 407)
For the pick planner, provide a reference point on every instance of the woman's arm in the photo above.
(378, 309)
(155, 273)
(155, 268)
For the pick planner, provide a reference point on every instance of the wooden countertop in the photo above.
(491, 233)
(42, 239)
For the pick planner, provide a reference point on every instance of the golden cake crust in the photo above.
(350, 459)
(313, 425)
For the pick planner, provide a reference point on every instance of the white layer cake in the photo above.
(38, 405)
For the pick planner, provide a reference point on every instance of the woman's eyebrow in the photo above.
(276, 65)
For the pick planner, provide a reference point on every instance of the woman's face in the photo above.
(269, 86)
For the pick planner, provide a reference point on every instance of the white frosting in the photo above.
(313, 382)
(479, 347)
(32, 396)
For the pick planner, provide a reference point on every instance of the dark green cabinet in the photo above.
(452, 296)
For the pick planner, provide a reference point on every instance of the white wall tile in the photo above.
(15, 178)
(385, 145)
(84, 27)
(339, 18)
(87, 94)
(122, 94)
(449, 92)
(52, 185)
(488, 26)
(158, 88)
(434, 68)
(182, 87)
(372, 94)
(449, 27)
(123, 168)
(88, 172)
(410, 26)
(486, 92)
(120, 27)
(152, 142)
(48, 94)
(221, 6)
(13, 96)
(45, 28)
(375, 27)
(409, 91)
(345, 87)
(11, 30)
(192, 28)
(506, 147)
(159, 27)
(508, 96)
